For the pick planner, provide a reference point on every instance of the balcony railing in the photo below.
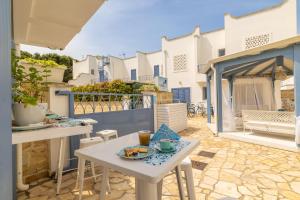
(146, 78)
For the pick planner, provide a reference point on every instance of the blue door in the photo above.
(156, 70)
(133, 74)
(182, 94)
(103, 76)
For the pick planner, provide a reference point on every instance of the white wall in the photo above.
(83, 79)
(156, 58)
(80, 67)
(131, 63)
(117, 69)
(185, 45)
(85, 66)
(210, 43)
(279, 21)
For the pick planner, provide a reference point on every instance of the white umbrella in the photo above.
(50, 23)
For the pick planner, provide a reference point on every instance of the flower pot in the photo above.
(55, 76)
(25, 115)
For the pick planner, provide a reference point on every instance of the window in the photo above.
(221, 52)
(92, 71)
(204, 93)
(133, 74)
(180, 63)
(156, 70)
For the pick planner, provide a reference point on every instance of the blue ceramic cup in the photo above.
(166, 144)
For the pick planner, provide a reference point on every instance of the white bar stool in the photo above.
(107, 134)
(186, 167)
(86, 142)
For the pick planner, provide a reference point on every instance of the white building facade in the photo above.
(180, 59)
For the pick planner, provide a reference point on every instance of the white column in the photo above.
(60, 106)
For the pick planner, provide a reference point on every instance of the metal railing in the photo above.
(146, 78)
(86, 103)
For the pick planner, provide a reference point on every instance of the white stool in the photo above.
(186, 167)
(86, 142)
(107, 134)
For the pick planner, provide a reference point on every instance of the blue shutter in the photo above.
(133, 74)
(182, 95)
(102, 77)
(156, 70)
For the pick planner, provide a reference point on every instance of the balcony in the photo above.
(146, 79)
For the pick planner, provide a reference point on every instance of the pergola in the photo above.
(258, 62)
(45, 23)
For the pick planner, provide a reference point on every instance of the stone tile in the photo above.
(295, 187)
(238, 170)
(228, 189)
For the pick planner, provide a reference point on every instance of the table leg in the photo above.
(179, 182)
(81, 170)
(61, 162)
(159, 190)
(20, 185)
(104, 182)
(145, 190)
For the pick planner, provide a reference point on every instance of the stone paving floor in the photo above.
(238, 170)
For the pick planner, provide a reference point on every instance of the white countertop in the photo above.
(49, 133)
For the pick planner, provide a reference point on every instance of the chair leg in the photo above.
(179, 182)
(107, 182)
(104, 183)
(81, 176)
(190, 183)
(93, 171)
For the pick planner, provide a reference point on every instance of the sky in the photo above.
(122, 27)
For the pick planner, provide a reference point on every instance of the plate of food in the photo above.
(136, 152)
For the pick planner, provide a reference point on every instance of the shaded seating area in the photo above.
(246, 87)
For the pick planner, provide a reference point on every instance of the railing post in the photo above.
(71, 105)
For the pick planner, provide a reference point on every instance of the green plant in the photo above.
(42, 63)
(28, 85)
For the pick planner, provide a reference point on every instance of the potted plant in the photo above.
(57, 71)
(28, 87)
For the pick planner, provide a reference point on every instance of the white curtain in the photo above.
(228, 116)
(253, 94)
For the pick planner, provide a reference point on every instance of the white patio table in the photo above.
(147, 176)
(46, 134)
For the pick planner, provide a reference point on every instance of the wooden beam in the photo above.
(265, 69)
(229, 64)
(244, 68)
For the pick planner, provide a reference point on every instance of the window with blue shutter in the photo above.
(156, 70)
(133, 74)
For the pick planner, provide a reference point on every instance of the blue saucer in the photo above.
(173, 149)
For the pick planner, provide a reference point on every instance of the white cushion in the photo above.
(107, 133)
(86, 142)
